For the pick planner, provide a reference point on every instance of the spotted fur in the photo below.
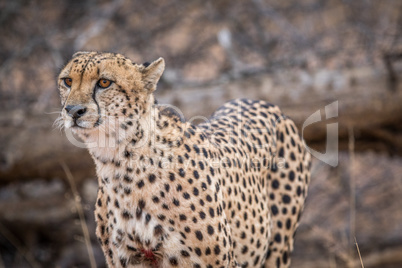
(226, 193)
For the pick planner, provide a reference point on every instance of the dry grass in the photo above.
(21, 249)
(352, 196)
(80, 211)
(358, 252)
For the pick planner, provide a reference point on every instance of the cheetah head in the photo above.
(106, 92)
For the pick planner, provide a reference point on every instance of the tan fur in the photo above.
(226, 193)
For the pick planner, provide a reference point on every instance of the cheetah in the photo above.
(228, 192)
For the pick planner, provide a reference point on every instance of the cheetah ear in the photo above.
(152, 73)
(79, 53)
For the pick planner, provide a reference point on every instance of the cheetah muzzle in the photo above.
(225, 193)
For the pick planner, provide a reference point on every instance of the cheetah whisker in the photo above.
(59, 123)
(55, 112)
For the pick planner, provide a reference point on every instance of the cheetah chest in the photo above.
(137, 236)
(134, 231)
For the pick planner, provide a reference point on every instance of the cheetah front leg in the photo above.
(102, 228)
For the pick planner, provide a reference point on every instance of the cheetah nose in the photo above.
(75, 111)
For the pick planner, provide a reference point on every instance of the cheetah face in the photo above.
(97, 88)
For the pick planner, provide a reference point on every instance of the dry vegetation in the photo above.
(301, 55)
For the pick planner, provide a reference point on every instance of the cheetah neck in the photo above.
(148, 143)
(129, 172)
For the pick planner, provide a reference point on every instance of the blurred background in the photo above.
(301, 55)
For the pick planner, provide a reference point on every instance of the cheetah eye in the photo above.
(104, 83)
(68, 81)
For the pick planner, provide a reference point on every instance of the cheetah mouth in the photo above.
(82, 124)
(76, 126)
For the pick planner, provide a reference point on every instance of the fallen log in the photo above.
(32, 148)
